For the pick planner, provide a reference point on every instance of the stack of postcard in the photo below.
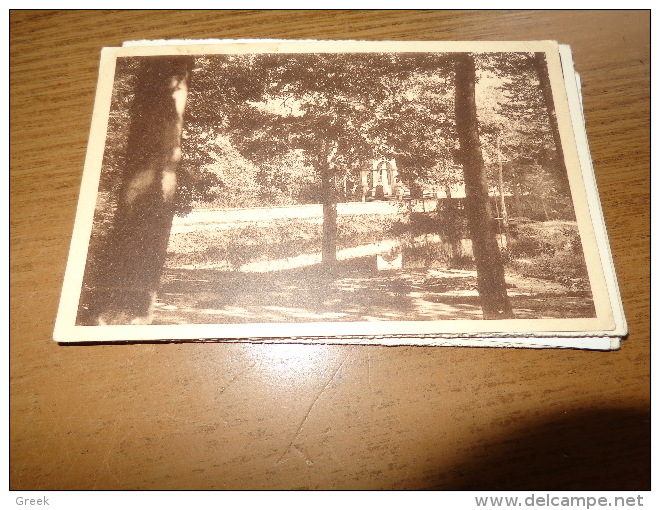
(349, 192)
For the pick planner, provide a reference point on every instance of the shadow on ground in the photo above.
(353, 292)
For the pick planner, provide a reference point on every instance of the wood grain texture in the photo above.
(230, 416)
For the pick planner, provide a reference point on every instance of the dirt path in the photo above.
(356, 295)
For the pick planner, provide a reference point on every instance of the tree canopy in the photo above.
(260, 127)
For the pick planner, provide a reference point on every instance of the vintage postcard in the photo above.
(351, 192)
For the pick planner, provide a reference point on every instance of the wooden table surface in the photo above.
(240, 416)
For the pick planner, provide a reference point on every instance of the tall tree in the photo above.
(518, 127)
(318, 104)
(541, 67)
(490, 269)
(130, 262)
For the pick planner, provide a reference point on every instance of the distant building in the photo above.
(380, 181)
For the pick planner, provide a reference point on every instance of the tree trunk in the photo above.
(559, 166)
(131, 261)
(328, 194)
(500, 179)
(452, 231)
(545, 209)
(490, 270)
(516, 191)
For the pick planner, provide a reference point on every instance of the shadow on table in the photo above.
(606, 449)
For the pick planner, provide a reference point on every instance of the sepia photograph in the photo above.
(374, 188)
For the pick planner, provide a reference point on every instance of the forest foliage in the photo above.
(259, 128)
(280, 129)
